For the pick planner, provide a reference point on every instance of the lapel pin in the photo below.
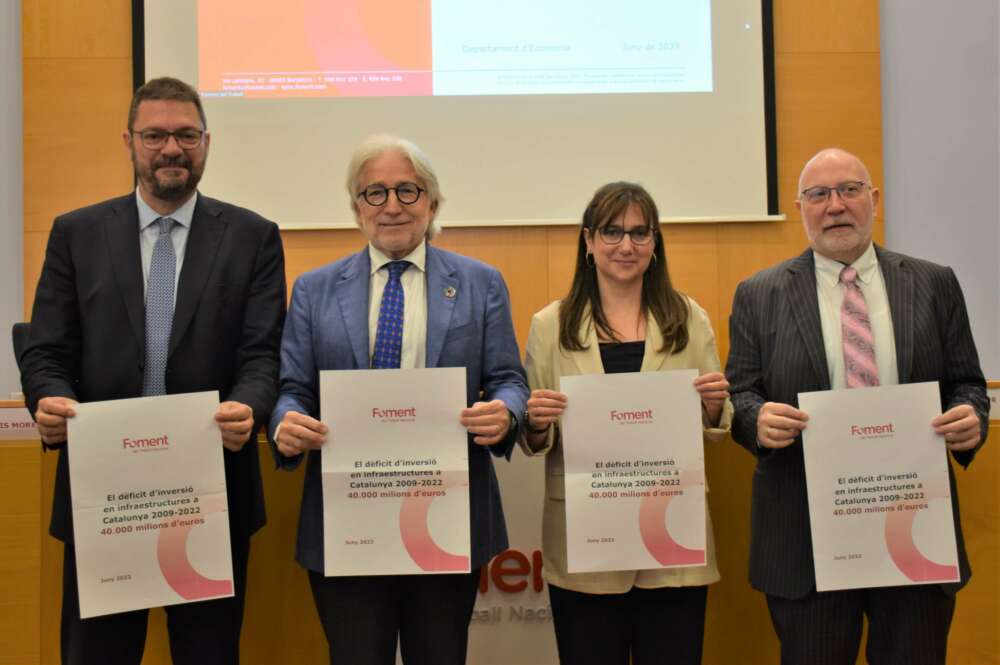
(450, 292)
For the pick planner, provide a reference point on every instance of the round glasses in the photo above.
(154, 139)
(612, 235)
(407, 193)
(848, 191)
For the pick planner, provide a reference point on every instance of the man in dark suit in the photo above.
(454, 312)
(794, 329)
(160, 291)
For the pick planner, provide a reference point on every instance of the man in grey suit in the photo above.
(845, 313)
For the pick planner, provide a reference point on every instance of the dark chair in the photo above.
(19, 334)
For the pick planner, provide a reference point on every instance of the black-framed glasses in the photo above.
(612, 235)
(848, 191)
(154, 139)
(407, 193)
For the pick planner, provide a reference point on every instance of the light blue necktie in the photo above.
(389, 331)
(159, 310)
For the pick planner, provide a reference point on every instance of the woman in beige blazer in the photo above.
(621, 314)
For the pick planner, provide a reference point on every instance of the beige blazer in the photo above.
(545, 363)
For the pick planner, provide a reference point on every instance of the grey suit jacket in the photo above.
(327, 328)
(776, 351)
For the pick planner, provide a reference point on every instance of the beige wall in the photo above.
(77, 80)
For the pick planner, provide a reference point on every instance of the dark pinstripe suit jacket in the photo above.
(776, 351)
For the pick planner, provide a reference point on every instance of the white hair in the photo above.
(377, 145)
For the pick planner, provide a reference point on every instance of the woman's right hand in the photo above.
(298, 433)
(544, 408)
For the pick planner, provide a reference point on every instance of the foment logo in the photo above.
(632, 417)
(407, 414)
(873, 431)
(152, 443)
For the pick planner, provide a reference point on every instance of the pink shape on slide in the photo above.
(656, 537)
(346, 47)
(171, 552)
(415, 532)
(904, 552)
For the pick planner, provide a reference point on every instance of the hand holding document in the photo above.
(879, 497)
(395, 472)
(635, 471)
(150, 517)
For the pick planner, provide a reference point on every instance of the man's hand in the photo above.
(544, 408)
(960, 427)
(235, 421)
(488, 421)
(714, 391)
(778, 424)
(51, 416)
(298, 433)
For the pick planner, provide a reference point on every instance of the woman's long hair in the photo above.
(669, 308)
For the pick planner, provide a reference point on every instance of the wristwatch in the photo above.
(527, 424)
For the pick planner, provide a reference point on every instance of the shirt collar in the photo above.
(182, 215)
(828, 270)
(417, 257)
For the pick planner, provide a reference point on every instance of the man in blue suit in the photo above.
(455, 312)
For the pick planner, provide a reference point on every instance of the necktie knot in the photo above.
(396, 269)
(848, 275)
(166, 225)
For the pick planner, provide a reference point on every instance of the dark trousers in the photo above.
(202, 633)
(665, 625)
(363, 616)
(907, 625)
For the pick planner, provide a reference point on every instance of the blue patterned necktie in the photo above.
(389, 332)
(159, 310)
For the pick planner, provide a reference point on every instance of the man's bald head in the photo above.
(837, 202)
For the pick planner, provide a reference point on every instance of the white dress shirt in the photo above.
(414, 351)
(149, 232)
(830, 293)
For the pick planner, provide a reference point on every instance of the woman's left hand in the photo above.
(714, 391)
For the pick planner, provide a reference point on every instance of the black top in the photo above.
(621, 357)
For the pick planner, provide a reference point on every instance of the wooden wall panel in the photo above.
(76, 29)
(20, 560)
(821, 26)
(77, 82)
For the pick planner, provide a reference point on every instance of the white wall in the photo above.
(11, 192)
(941, 143)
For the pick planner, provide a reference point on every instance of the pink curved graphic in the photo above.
(903, 550)
(415, 532)
(363, 37)
(171, 552)
(653, 526)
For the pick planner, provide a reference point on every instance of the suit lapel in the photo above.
(805, 310)
(654, 355)
(899, 291)
(588, 361)
(204, 238)
(351, 287)
(442, 281)
(122, 232)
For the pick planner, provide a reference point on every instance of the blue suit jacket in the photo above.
(327, 328)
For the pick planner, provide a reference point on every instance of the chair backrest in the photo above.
(19, 335)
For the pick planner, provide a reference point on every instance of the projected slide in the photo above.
(359, 48)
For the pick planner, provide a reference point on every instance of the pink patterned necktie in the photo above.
(860, 369)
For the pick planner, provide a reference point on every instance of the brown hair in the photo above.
(669, 308)
(165, 89)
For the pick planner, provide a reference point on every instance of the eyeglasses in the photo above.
(848, 191)
(154, 139)
(407, 193)
(612, 235)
